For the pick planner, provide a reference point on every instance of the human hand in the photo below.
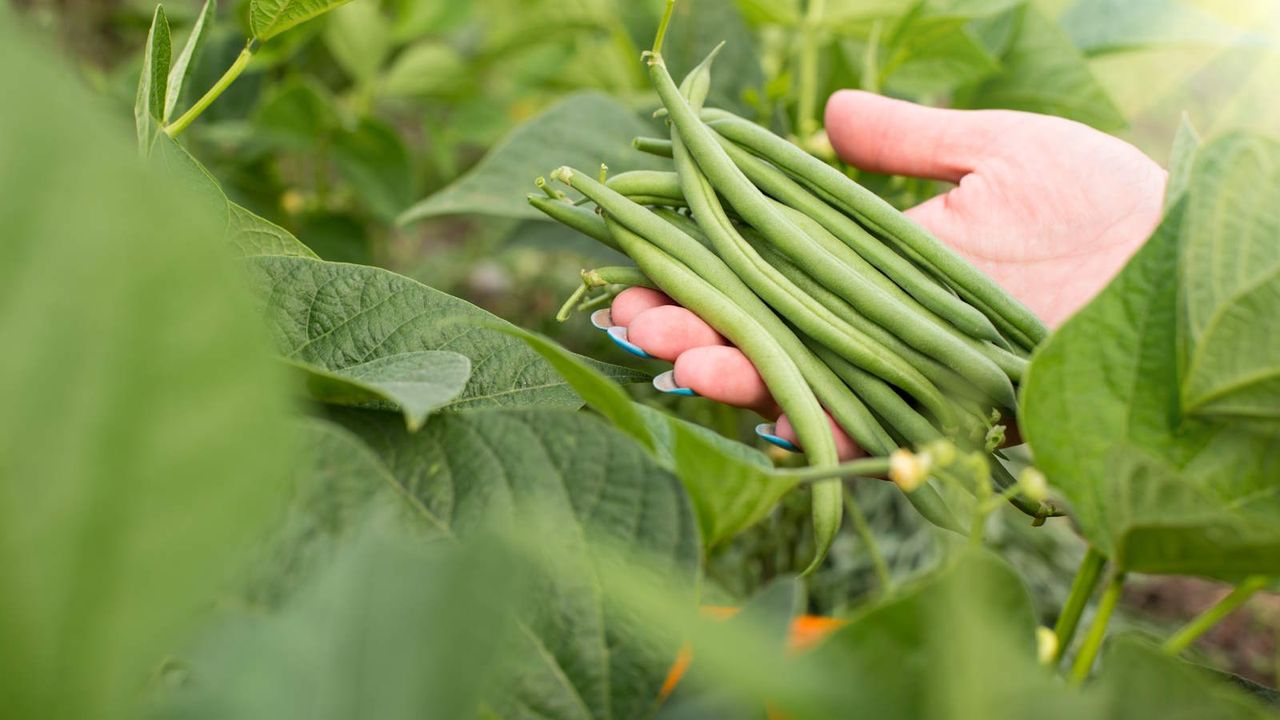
(1049, 208)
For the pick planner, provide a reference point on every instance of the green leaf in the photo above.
(335, 316)
(393, 628)
(149, 106)
(576, 483)
(1157, 490)
(359, 37)
(144, 439)
(253, 235)
(1138, 680)
(426, 68)
(1044, 72)
(269, 18)
(182, 64)
(732, 486)
(340, 489)
(936, 55)
(376, 163)
(582, 130)
(248, 233)
(1101, 26)
(1181, 160)
(1231, 280)
(416, 383)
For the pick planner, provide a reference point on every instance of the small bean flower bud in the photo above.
(908, 470)
(1046, 645)
(1034, 485)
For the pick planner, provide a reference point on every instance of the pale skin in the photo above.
(1049, 208)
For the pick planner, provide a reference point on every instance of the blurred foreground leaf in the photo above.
(143, 435)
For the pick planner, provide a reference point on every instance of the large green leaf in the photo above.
(248, 233)
(1231, 280)
(572, 479)
(269, 18)
(359, 36)
(335, 316)
(416, 383)
(935, 55)
(143, 435)
(190, 51)
(732, 486)
(392, 628)
(157, 54)
(1158, 490)
(375, 162)
(1044, 72)
(582, 130)
(428, 67)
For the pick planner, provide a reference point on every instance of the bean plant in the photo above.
(243, 476)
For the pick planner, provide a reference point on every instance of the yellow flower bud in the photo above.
(908, 470)
(1046, 644)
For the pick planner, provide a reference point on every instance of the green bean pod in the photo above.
(874, 252)
(1012, 365)
(847, 410)
(781, 375)
(754, 207)
(648, 184)
(584, 220)
(980, 290)
(798, 307)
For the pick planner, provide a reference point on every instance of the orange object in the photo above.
(806, 632)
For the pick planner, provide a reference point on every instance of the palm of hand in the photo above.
(1051, 211)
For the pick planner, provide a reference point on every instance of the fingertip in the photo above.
(846, 448)
(725, 375)
(633, 301)
(667, 331)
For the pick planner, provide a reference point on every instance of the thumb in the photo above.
(883, 135)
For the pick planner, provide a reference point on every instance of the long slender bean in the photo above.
(661, 188)
(867, 247)
(1012, 365)
(579, 218)
(880, 215)
(653, 183)
(844, 406)
(780, 373)
(753, 206)
(792, 303)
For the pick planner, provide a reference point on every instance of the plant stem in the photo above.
(1081, 590)
(1182, 639)
(809, 46)
(566, 310)
(863, 467)
(1098, 631)
(662, 27)
(869, 541)
(242, 61)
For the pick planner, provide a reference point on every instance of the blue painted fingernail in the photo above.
(619, 337)
(602, 319)
(769, 433)
(666, 382)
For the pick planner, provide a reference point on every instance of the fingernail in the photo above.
(619, 337)
(602, 319)
(666, 382)
(769, 433)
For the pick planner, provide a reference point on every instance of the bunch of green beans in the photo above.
(844, 305)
